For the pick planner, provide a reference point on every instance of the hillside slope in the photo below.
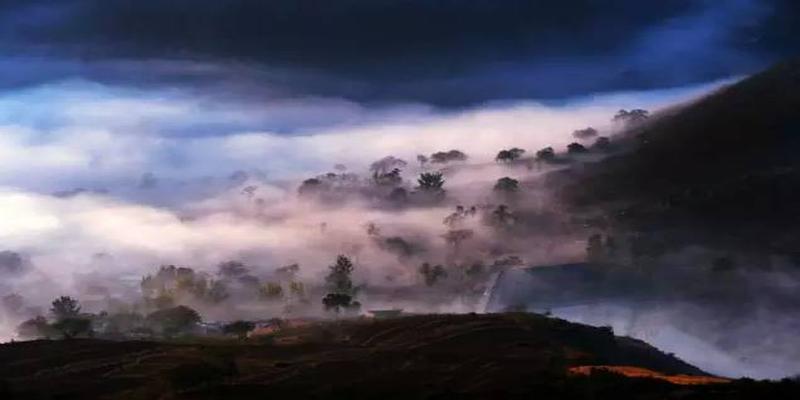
(724, 168)
(472, 356)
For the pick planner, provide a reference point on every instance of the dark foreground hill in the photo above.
(436, 356)
(723, 170)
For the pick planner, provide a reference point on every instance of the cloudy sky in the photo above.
(98, 92)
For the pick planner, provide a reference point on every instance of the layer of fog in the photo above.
(101, 186)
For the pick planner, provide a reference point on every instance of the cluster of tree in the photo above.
(443, 157)
(171, 285)
(509, 155)
(506, 185)
(67, 322)
(631, 117)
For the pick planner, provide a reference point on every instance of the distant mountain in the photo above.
(722, 169)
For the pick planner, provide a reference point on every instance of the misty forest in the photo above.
(295, 199)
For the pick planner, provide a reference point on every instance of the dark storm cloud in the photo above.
(447, 52)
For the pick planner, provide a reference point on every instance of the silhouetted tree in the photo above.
(339, 302)
(506, 185)
(35, 328)
(73, 327)
(576, 148)
(448, 156)
(602, 144)
(509, 155)
(502, 217)
(422, 159)
(634, 116)
(340, 287)
(546, 154)
(430, 181)
(339, 276)
(311, 186)
(386, 165)
(65, 307)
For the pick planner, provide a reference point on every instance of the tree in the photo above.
(602, 143)
(339, 302)
(34, 328)
(502, 216)
(506, 185)
(583, 134)
(239, 328)
(175, 320)
(339, 276)
(422, 159)
(391, 178)
(443, 157)
(631, 117)
(509, 155)
(430, 181)
(310, 187)
(65, 307)
(546, 154)
(432, 274)
(576, 148)
(341, 291)
(71, 327)
(386, 165)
